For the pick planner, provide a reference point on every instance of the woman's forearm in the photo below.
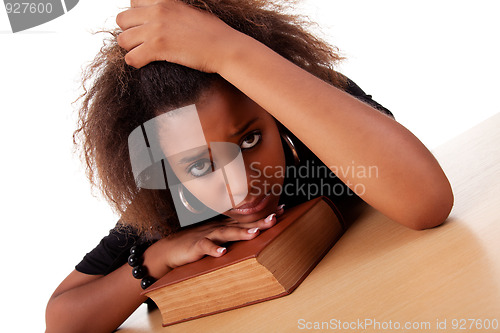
(96, 303)
(100, 305)
(408, 186)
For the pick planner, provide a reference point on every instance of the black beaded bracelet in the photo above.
(138, 270)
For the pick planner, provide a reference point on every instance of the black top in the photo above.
(113, 250)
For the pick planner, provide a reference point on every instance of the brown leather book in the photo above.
(270, 266)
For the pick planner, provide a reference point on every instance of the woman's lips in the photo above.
(252, 207)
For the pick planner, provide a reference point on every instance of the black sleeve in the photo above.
(111, 253)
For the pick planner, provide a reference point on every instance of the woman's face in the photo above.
(229, 120)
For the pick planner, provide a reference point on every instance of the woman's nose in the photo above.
(236, 180)
(227, 156)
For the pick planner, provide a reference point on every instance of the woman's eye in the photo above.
(251, 140)
(200, 168)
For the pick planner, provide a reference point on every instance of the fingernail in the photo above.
(280, 207)
(221, 249)
(253, 230)
(270, 218)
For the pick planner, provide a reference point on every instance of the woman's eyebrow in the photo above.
(192, 158)
(244, 127)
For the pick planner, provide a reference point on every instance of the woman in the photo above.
(254, 76)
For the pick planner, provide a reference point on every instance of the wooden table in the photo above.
(434, 280)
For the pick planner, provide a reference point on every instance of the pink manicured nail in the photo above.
(253, 230)
(281, 207)
(270, 218)
(221, 249)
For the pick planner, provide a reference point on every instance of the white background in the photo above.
(434, 64)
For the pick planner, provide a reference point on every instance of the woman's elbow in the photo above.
(54, 316)
(50, 317)
(58, 317)
(433, 209)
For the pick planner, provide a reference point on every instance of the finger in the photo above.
(131, 38)
(262, 224)
(139, 56)
(208, 247)
(281, 210)
(226, 234)
(132, 17)
(265, 223)
(268, 222)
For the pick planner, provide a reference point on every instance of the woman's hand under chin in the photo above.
(193, 243)
(173, 31)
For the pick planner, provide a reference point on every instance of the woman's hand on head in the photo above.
(195, 242)
(173, 31)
